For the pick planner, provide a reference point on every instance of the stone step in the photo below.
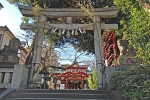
(46, 94)
(53, 99)
(63, 91)
(62, 95)
(2, 90)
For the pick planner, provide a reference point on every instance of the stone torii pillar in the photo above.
(98, 52)
(37, 49)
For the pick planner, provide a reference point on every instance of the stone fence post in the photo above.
(109, 71)
(20, 76)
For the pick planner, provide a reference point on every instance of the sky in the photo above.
(11, 16)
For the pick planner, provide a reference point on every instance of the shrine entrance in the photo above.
(73, 77)
(74, 85)
(96, 26)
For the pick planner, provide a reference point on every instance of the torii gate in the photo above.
(72, 12)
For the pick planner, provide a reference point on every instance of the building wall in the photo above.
(5, 36)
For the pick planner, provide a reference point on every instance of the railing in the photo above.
(6, 77)
(15, 77)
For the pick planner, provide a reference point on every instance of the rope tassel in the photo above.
(68, 34)
(59, 33)
(84, 31)
(76, 32)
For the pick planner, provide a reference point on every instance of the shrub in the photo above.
(92, 81)
(133, 84)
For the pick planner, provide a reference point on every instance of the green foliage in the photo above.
(92, 81)
(62, 3)
(133, 84)
(135, 27)
(51, 38)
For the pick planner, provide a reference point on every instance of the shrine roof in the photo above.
(74, 66)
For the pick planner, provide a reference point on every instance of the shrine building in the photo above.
(72, 77)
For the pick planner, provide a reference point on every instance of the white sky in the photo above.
(10, 16)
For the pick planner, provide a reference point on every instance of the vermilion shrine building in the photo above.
(73, 77)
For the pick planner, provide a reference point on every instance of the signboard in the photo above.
(76, 70)
(62, 86)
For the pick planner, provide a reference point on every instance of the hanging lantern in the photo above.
(59, 33)
(76, 32)
(68, 34)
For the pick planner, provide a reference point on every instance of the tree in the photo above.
(92, 81)
(135, 27)
(146, 5)
(62, 3)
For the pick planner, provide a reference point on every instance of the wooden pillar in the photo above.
(82, 84)
(98, 51)
(37, 48)
(66, 84)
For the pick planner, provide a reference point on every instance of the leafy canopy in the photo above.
(135, 27)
